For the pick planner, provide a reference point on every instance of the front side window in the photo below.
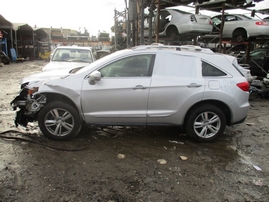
(210, 70)
(134, 66)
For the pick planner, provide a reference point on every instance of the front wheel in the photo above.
(205, 123)
(59, 121)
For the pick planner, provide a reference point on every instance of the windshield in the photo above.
(258, 53)
(72, 55)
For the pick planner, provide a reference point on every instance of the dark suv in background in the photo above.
(258, 62)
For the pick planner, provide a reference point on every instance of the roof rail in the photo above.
(173, 47)
(196, 48)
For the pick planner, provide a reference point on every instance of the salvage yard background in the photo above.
(130, 163)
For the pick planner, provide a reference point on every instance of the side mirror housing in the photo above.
(94, 76)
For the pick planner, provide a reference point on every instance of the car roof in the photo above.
(259, 49)
(235, 14)
(219, 59)
(185, 48)
(177, 10)
(74, 47)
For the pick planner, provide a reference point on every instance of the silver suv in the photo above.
(147, 85)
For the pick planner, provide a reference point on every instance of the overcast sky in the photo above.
(93, 14)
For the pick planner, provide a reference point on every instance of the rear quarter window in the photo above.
(210, 70)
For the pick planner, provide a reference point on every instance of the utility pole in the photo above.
(158, 21)
(221, 27)
(115, 29)
(142, 42)
(151, 15)
(132, 16)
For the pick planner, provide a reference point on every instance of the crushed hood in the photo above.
(63, 65)
(45, 76)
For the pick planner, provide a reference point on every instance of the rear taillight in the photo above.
(244, 86)
(261, 23)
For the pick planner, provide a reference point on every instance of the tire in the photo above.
(172, 33)
(5, 60)
(240, 38)
(205, 123)
(59, 121)
(240, 35)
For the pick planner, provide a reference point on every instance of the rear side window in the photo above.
(210, 70)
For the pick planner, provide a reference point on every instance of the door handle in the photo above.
(139, 87)
(194, 85)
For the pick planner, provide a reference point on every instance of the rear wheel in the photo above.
(205, 123)
(172, 33)
(240, 38)
(240, 35)
(59, 121)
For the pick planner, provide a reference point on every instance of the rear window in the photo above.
(210, 70)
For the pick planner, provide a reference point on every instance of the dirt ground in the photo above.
(116, 164)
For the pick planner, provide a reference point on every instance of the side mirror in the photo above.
(94, 76)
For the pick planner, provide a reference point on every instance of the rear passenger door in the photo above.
(176, 85)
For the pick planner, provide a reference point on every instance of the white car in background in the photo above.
(175, 23)
(63, 60)
(240, 27)
(69, 57)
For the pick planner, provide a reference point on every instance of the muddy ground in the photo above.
(130, 163)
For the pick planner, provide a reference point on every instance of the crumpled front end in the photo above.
(29, 103)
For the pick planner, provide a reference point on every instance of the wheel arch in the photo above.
(239, 30)
(222, 106)
(59, 119)
(51, 97)
(171, 28)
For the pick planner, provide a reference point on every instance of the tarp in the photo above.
(5, 24)
(22, 26)
(40, 33)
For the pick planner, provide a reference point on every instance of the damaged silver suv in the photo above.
(186, 86)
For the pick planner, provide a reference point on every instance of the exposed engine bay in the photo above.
(29, 105)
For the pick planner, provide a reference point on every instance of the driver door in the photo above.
(121, 96)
